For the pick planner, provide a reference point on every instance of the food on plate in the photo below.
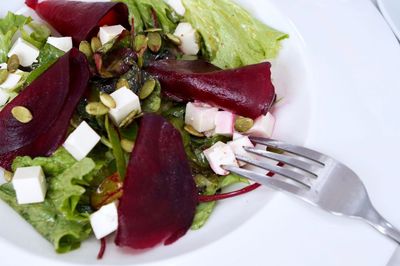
(122, 122)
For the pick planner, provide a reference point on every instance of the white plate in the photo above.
(391, 11)
(339, 74)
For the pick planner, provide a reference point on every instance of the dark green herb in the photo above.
(117, 149)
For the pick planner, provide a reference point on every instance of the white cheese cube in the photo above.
(200, 118)
(237, 135)
(105, 220)
(62, 43)
(188, 36)
(81, 141)
(218, 155)
(11, 81)
(237, 147)
(4, 97)
(107, 33)
(177, 5)
(26, 52)
(263, 126)
(2, 176)
(127, 101)
(29, 184)
(224, 123)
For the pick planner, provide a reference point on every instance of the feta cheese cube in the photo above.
(188, 36)
(11, 81)
(29, 184)
(218, 155)
(26, 52)
(4, 97)
(107, 33)
(81, 141)
(62, 43)
(105, 220)
(177, 6)
(224, 123)
(200, 118)
(237, 147)
(237, 135)
(2, 176)
(127, 101)
(263, 126)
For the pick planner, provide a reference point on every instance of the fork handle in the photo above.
(374, 218)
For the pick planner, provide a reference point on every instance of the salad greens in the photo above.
(232, 37)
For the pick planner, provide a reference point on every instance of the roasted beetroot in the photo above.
(246, 91)
(52, 99)
(80, 20)
(160, 196)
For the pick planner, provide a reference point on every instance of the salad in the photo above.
(121, 122)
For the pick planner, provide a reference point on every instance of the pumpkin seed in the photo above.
(13, 63)
(193, 131)
(153, 30)
(129, 119)
(96, 108)
(3, 75)
(140, 61)
(127, 145)
(95, 44)
(22, 114)
(174, 39)
(106, 142)
(107, 100)
(122, 83)
(8, 176)
(85, 48)
(140, 43)
(147, 89)
(243, 124)
(155, 41)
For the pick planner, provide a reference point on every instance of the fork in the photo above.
(315, 178)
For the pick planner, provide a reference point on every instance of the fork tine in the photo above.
(303, 180)
(298, 150)
(266, 181)
(309, 168)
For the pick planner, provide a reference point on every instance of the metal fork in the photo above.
(317, 179)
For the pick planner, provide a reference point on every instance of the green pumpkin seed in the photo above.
(8, 176)
(140, 43)
(140, 61)
(243, 124)
(155, 41)
(147, 89)
(3, 75)
(122, 83)
(174, 39)
(129, 119)
(127, 145)
(13, 63)
(85, 48)
(95, 44)
(96, 108)
(22, 114)
(107, 100)
(153, 30)
(193, 131)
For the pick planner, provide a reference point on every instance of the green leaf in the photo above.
(39, 35)
(65, 234)
(117, 149)
(47, 57)
(141, 11)
(9, 25)
(231, 36)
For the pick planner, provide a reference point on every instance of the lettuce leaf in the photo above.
(58, 218)
(231, 36)
(9, 25)
(141, 11)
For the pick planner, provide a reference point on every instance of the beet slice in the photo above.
(246, 91)
(160, 196)
(80, 20)
(57, 91)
